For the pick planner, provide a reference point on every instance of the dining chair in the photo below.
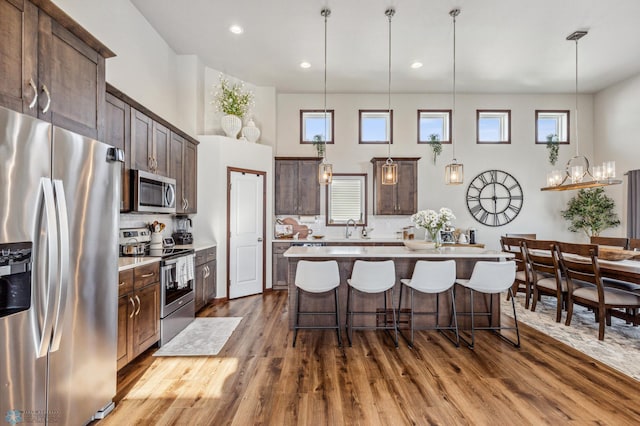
(431, 277)
(527, 236)
(317, 277)
(580, 263)
(372, 277)
(547, 277)
(617, 242)
(490, 278)
(522, 281)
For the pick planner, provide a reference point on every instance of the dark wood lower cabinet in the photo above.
(138, 312)
(205, 277)
(280, 266)
(146, 321)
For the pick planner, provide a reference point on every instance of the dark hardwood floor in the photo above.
(258, 378)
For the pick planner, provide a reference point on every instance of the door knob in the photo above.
(259, 239)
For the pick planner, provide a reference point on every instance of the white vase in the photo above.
(231, 125)
(251, 132)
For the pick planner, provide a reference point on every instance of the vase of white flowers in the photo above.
(433, 222)
(234, 101)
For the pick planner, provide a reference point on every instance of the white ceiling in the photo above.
(515, 46)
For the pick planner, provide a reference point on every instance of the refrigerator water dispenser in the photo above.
(15, 278)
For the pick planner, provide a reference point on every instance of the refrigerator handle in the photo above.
(44, 339)
(63, 264)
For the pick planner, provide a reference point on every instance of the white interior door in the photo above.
(246, 234)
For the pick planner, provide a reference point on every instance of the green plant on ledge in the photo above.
(319, 145)
(553, 147)
(591, 211)
(232, 99)
(436, 146)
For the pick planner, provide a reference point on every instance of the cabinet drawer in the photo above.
(279, 248)
(205, 255)
(125, 282)
(147, 274)
(211, 254)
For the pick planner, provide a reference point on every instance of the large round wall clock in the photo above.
(494, 198)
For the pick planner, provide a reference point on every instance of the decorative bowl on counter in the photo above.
(419, 245)
(317, 236)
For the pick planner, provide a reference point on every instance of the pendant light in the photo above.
(454, 171)
(325, 169)
(577, 172)
(389, 168)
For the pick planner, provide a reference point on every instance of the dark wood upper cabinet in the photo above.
(51, 67)
(141, 141)
(399, 199)
(160, 148)
(18, 55)
(297, 190)
(118, 134)
(183, 168)
(190, 177)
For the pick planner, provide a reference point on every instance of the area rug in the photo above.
(620, 348)
(204, 336)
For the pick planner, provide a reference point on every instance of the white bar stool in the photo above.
(432, 277)
(491, 278)
(317, 277)
(373, 278)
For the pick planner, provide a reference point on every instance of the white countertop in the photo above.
(125, 263)
(393, 252)
(353, 240)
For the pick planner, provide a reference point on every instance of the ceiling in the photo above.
(503, 46)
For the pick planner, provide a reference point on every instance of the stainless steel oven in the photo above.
(177, 281)
(153, 193)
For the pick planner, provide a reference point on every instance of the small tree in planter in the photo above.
(591, 211)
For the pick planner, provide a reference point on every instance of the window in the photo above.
(376, 126)
(347, 199)
(493, 126)
(434, 122)
(552, 125)
(312, 124)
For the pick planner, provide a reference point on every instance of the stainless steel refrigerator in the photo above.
(59, 216)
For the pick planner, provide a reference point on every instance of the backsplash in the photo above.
(136, 220)
(377, 226)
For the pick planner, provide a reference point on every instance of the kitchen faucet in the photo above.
(347, 234)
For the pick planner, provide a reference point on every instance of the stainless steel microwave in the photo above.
(153, 193)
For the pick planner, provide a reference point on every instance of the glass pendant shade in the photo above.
(389, 173)
(454, 173)
(325, 173)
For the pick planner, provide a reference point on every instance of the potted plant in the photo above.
(591, 211)
(436, 146)
(234, 101)
(553, 147)
(319, 145)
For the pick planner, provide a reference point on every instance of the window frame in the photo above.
(557, 111)
(389, 119)
(330, 113)
(364, 201)
(507, 133)
(448, 112)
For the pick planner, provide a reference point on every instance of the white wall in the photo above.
(525, 160)
(616, 130)
(263, 112)
(215, 154)
(145, 67)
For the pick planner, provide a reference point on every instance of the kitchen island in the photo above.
(404, 260)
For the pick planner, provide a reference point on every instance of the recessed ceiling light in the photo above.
(305, 64)
(236, 29)
(416, 65)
